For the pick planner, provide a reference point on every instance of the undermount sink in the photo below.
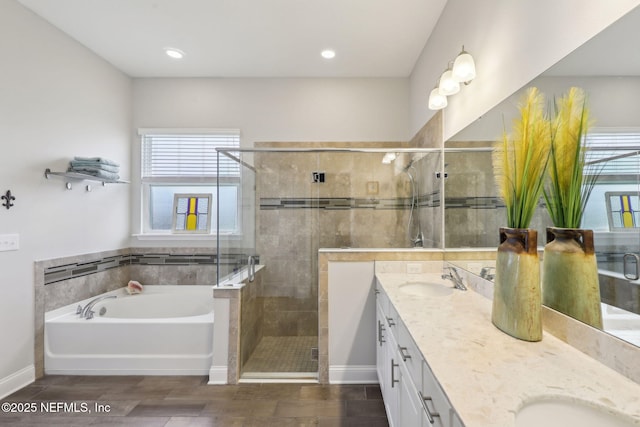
(562, 413)
(425, 289)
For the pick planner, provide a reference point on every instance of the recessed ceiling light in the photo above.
(328, 53)
(174, 53)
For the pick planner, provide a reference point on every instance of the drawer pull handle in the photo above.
(430, 415)
(390, 321)
(401, 350)
(380, 331)
(393, 377)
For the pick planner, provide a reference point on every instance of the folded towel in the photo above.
(100, 160)
(134, 287)
(110, 176)
(79, 165)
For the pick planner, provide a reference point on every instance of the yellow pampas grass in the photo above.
(520, 160)
(568, 189)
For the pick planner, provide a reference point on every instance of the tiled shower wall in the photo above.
(473, 210)
(361, 204)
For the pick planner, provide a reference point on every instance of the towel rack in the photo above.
(80, 177)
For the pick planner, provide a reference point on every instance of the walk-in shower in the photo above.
(293, 201)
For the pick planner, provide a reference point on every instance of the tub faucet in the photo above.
(87, 312)
(455, 278)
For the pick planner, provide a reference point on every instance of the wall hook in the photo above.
(8, 197)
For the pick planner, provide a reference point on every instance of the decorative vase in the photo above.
(516, 295)
(570, 275)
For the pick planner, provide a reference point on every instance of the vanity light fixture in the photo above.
(437, 101)
(464, 67)
(448, 84)
(174, 53)
(328, 53)
(463, 71)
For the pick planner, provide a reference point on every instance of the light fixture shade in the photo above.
(464, 68)
(448, 85)
(388, 158)
(436, 100)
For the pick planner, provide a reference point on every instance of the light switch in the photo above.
(9, 242)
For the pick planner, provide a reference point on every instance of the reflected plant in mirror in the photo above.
(570, 271)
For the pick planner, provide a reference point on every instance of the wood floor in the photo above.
(189, 402)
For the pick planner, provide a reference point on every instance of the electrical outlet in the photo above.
(414, 268)
(9, 242)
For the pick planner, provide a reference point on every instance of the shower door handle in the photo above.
(630, 266)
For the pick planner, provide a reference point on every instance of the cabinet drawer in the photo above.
(408, 350)
(435, 398)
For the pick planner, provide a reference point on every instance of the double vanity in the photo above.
(441, 362)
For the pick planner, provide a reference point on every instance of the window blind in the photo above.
(613, 153)
(188, 155)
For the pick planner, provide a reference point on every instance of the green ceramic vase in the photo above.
(516, 296)
(570, 275)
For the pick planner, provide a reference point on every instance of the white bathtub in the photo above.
(166, 330)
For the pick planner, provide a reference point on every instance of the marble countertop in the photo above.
(489, 375)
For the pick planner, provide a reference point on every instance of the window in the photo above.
(184, 162)
(614, 155)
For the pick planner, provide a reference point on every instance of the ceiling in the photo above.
(612, 52)
(249, 38)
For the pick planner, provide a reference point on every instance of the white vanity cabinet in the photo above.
(412, 396)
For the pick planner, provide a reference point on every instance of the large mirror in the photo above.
(608, 69)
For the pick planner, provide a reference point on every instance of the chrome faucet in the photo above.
(87, 312)
(455, 278)
(251, 262)
(418, 241)
(488, 273)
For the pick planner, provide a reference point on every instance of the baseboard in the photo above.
(353, 374)
(218, 375)
(17, 380)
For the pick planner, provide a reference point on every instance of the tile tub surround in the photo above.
(489, 375)
(62, 281)
(63, 292)
(245, 322)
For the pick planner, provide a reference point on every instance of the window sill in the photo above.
(163, 236)
(185, 236)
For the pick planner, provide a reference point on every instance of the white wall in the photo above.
(359, 110)
(57, 100)
(613, 103)
(352, 322)
(512, 43)
(278, 109)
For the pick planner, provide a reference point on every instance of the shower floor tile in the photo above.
(283, 354)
